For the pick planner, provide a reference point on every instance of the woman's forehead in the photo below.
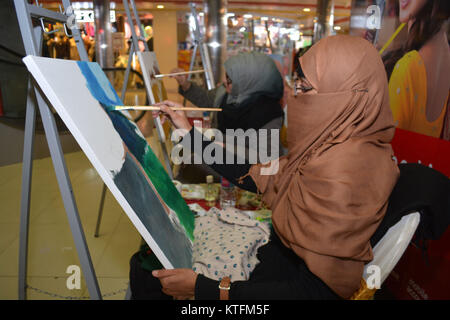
(339, 63)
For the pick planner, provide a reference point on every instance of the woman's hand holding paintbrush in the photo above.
(178, 118)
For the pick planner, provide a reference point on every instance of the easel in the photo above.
(32, 39)
(199, 44)
(134, 48)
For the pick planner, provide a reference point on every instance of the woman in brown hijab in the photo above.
(329, 194)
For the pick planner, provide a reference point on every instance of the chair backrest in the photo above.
(388, 251)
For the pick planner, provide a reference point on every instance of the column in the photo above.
(324, 20)
(104, 54)
(215, 31)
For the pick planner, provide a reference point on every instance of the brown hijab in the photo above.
(332, 189)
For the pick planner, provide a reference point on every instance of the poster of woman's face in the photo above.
(413, 43)
(408, 9)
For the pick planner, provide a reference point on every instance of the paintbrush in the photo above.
(177, 73)
(157, 108)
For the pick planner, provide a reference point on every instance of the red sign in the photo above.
(417, 277)
(413, 147)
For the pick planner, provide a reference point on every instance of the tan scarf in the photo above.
(332, 189)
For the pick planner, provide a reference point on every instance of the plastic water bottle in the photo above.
(206, 120)
(210, 192)
(227, 194)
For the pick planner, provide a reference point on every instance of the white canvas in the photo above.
(150, 68)
(146, 195)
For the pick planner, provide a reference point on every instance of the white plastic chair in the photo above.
(387, 252)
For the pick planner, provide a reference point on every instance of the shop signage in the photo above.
(83, 16)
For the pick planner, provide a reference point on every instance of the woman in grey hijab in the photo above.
(250, 96)
(250, 99)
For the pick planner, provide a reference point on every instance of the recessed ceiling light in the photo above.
(306, 9)
(160, 6)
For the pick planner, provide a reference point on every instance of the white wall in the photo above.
(165, 43)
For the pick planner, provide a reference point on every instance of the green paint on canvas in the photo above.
(101, 89)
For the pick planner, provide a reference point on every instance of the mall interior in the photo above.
(70, 221)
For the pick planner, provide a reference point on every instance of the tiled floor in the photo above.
(51, 247)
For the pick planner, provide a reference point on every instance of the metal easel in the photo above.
(199, 44)
(134, 47)
(32, 39)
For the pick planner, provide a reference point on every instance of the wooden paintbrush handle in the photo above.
(157, 108)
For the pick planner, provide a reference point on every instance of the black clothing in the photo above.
(144, 286)
(281, 274)
(423, 189)
(230, 172)
(253, 116)
(262, 113)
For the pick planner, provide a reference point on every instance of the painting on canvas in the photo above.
(84, 98)
(150, 68)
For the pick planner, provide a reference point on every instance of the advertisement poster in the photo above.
(412, 38)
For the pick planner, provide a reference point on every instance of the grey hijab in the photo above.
(253, 74)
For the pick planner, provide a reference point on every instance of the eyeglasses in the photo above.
(228, 80)
(302, 85)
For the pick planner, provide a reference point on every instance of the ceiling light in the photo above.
(306, 9)
(160, 6)
(337, 28)
(214, 44)
(248, 16)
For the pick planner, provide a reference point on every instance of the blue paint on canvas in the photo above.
(99, 85)
(101, 90)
